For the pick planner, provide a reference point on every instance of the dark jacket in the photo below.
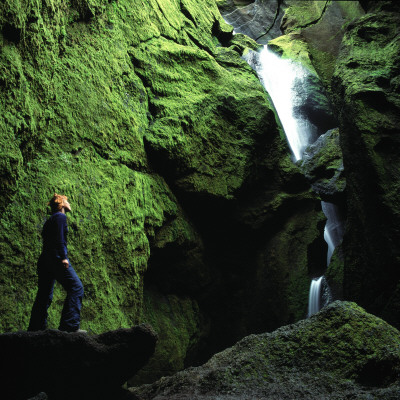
(54, 236)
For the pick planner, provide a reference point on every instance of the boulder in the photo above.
(72, 365)
(340, 352)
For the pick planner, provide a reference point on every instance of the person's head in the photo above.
(59, 203)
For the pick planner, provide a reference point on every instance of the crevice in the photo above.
(199, 45)
(187, 13)
(273, 22)
(11, 33)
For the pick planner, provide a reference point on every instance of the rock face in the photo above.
(341, 352)
(322, 165)
(366, 88)
(187, 210)
(147, 117)
(259, 19)
(72, 365)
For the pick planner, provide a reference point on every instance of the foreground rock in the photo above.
(72, 365)
(341, 352)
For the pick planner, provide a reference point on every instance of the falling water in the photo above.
(333, 232)
(314, 300)
(280, 78)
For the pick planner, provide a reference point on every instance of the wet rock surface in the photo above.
(59, 365)
(341, 352)
(259, 19)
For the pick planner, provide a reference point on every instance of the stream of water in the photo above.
(280, 77)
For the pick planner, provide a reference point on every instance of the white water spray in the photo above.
(280, 78)
(314, 300)
(333, 233)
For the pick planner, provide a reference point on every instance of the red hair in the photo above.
(56, 203)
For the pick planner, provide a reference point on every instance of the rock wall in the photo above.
(351, 50)
(178, 173)
(188, 212)
(366, 82)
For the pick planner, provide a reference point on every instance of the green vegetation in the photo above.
(74, 113)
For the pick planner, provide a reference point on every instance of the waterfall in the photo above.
(320, 295)
(314, 299)
(281, 78)
(333, 232)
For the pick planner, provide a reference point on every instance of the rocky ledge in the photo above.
(58, 365)
(340, 353)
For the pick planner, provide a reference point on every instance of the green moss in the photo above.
(300, 13)
(335, 273)
(185, 85)
(74, 113)
(366, 95)
(177, 321)
(294, 47)
(109, 254)
(340, 340)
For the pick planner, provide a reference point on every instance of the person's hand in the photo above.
(65, 263)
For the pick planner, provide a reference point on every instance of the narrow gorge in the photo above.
(233, 166)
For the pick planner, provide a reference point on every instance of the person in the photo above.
(54, 264)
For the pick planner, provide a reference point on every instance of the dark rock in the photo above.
(322, 164)
(340, 353)
(367, 99)
(39, 396)
(259, 19)
(313, 104)
(72, 365)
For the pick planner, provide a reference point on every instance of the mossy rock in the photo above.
(179, 325)
(366, 82)
(322, 165)
(354, 353)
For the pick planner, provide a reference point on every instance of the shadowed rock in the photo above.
(322, 165)
(72, 365)
(339, 353)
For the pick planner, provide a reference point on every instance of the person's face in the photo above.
(67, 206)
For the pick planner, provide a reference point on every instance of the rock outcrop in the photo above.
(341, 352)
(61, 365)
(322, 165)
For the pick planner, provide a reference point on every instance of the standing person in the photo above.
(54, 265)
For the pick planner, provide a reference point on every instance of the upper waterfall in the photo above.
(280, 78)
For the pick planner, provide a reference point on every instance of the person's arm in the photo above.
(61, 239)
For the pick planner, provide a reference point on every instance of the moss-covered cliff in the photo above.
(366, 82)
(179, 176)
(188, 212)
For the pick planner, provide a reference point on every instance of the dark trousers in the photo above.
(49, 270)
